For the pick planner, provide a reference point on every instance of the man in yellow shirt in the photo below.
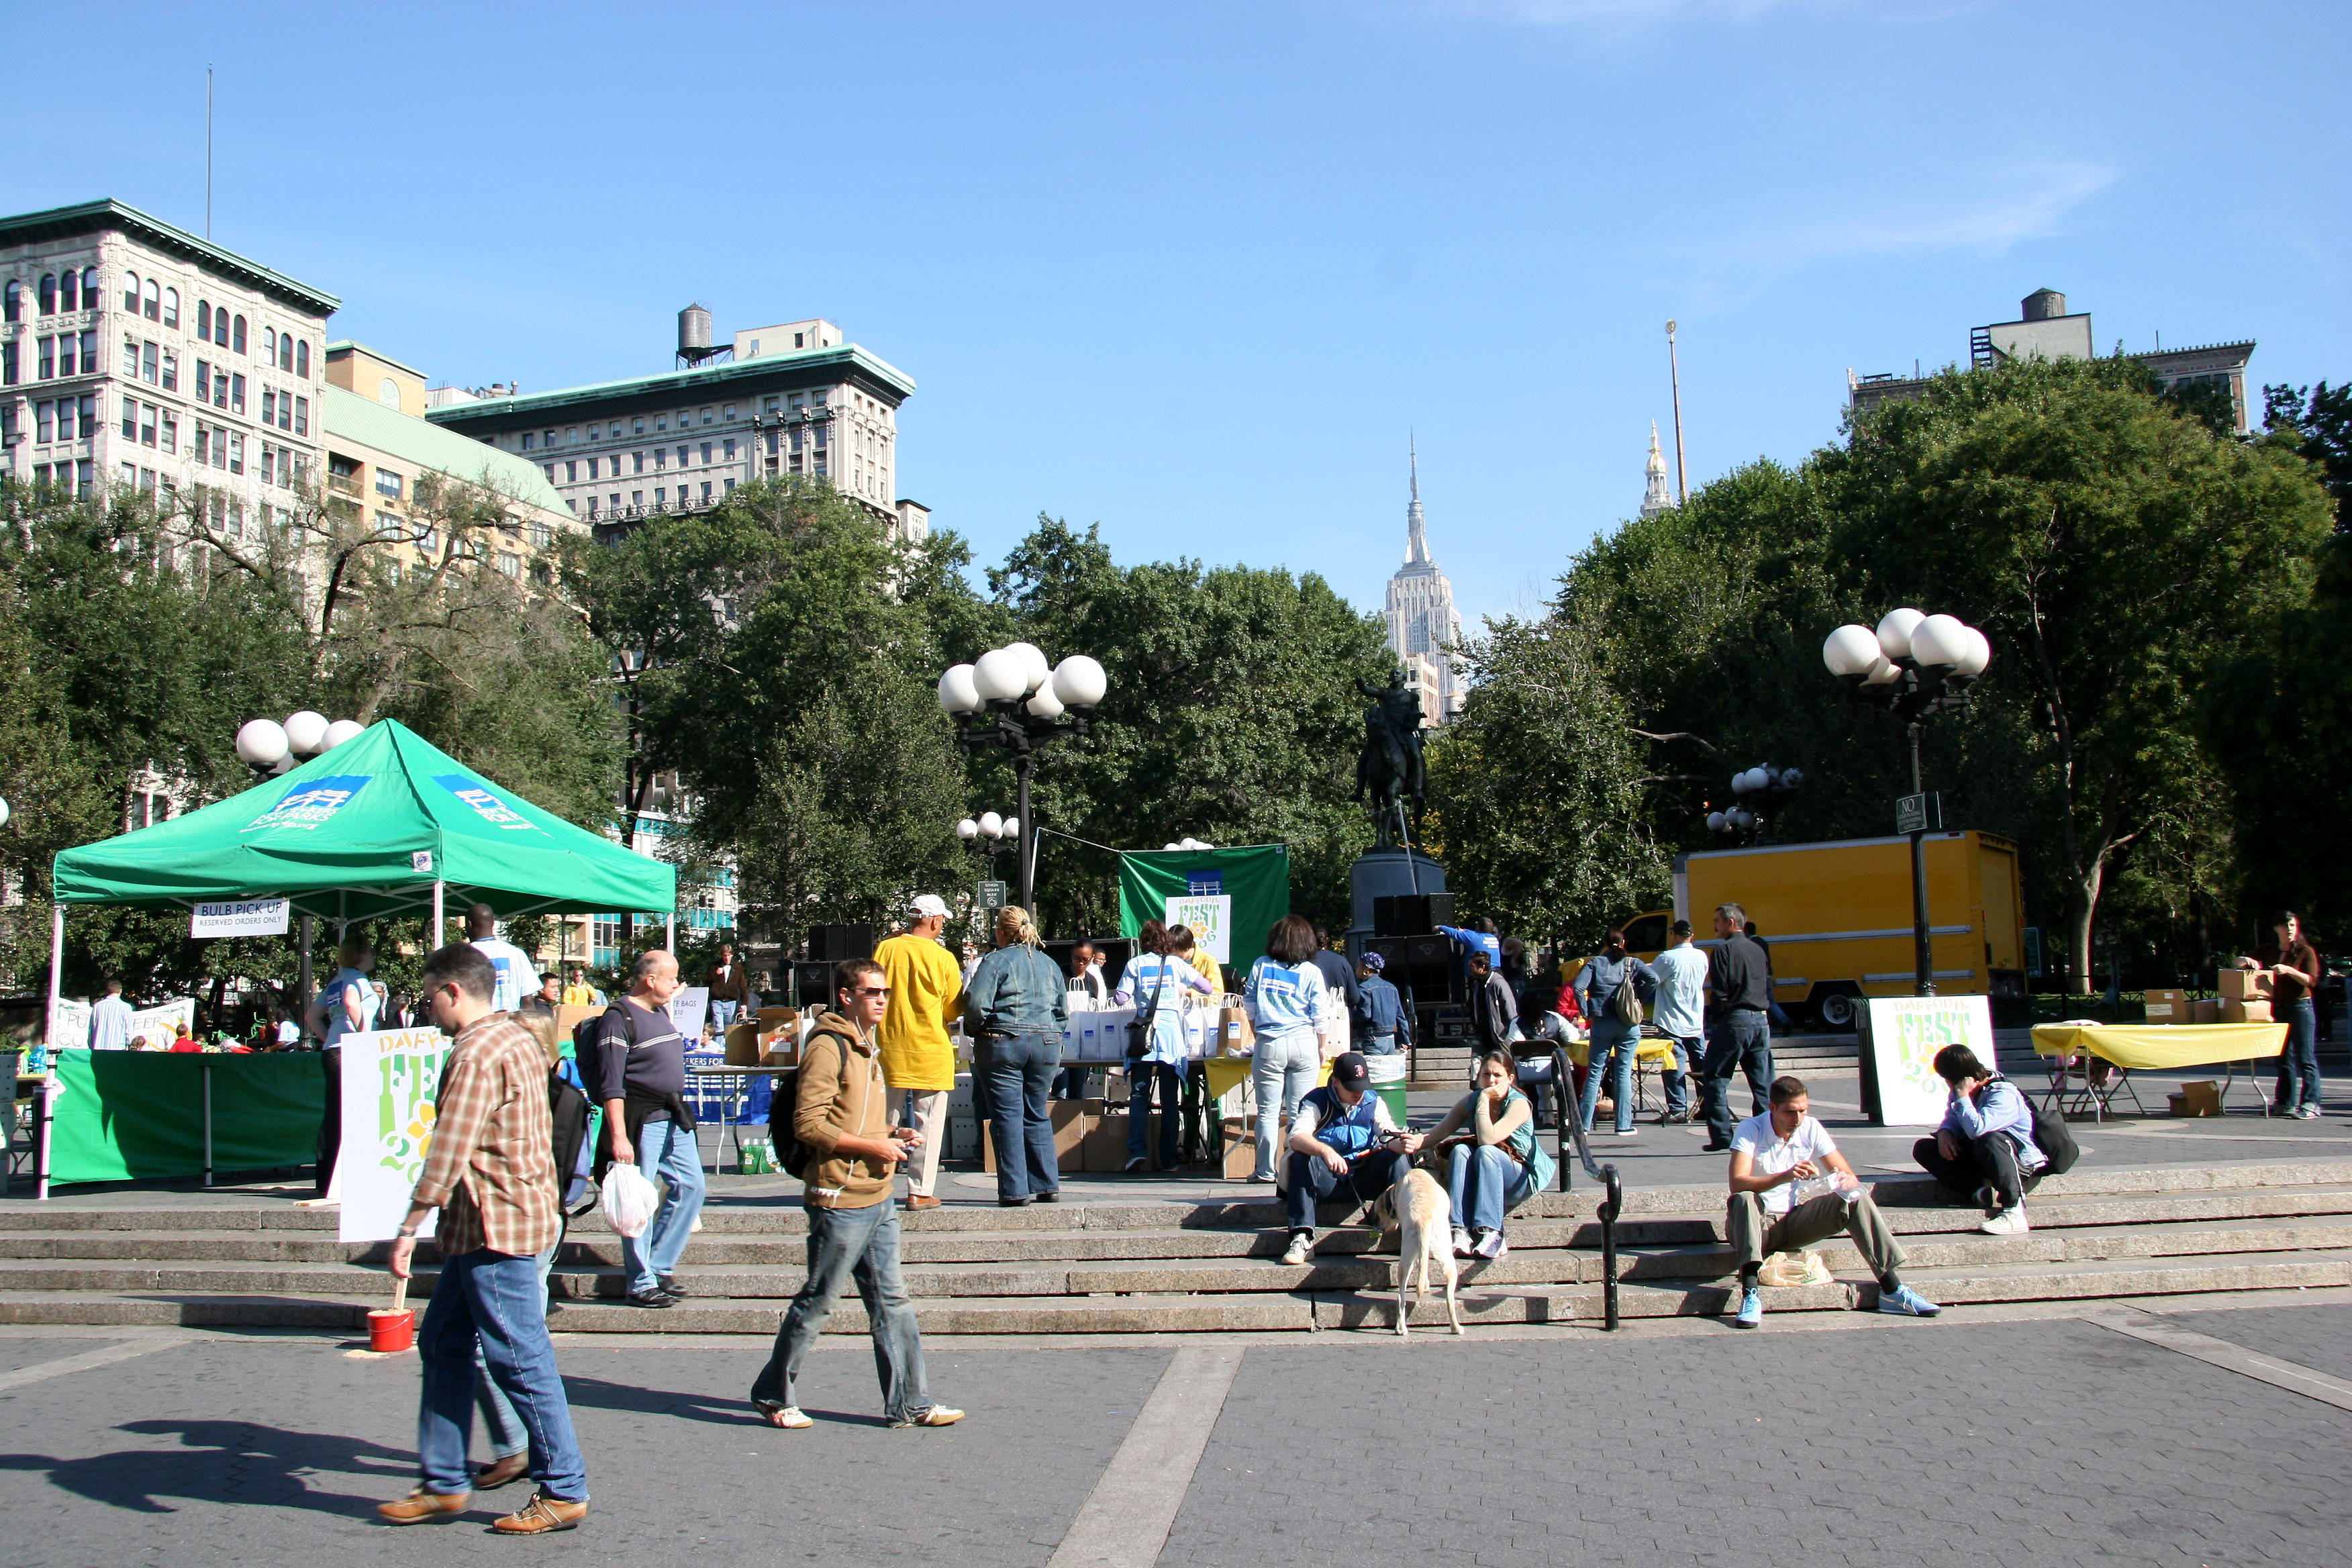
(918, 1061)
(578, 993)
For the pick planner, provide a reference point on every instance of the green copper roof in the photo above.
(365, 422)
(89, 217)
(703, 381)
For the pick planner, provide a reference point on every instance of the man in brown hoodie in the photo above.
(841, 1118)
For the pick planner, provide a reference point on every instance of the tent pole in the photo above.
(57, 974)
(433, 942)
(669, 932)
(302, 985)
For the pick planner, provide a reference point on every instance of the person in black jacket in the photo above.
(1494, 1015)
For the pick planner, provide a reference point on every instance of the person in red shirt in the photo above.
(180, 1040)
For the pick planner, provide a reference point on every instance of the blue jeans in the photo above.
(1689, 1051)
(1171, 1079)
(1308, 1181)
(1378, 1045)
(846, 1244)
(496, 1302)
(667, 1149)
(1281, 1070)
(1611, 1055)
(1485, 1184)
(723, 1014)
(1021, 1069)
(2298, 1072)
(501, 1422)
(1742, 1040)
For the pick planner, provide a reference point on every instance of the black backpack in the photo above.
(587, 1051)
(567, 1110)
(2052, 1136)
(792, 1156)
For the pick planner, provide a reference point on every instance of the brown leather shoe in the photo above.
(502, 1472)
(541, 1516)
(922, 1201)
(420, 1505)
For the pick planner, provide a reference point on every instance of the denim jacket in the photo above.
(1016, 990)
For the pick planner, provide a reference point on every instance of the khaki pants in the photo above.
(925, 1110)
(1752, 1238)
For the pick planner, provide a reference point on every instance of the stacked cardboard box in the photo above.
(1073, 1120)
(2202, 1097)
(2168, 1008)
(2205, 1010)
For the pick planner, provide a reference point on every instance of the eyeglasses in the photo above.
(872, 991)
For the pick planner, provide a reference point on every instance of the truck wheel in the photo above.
(1836, 1011)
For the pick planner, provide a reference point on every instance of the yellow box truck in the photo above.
(1837, 918)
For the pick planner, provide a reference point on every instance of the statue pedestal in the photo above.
(1382, 874)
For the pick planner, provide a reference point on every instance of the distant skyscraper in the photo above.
(1654, 499)
(1421, 605)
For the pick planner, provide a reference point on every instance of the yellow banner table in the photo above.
(2069, 1047)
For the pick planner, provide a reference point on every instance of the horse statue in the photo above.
(1389, 770)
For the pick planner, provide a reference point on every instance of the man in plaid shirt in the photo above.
(491, 1171)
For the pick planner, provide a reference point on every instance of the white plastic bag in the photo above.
(629, 1200)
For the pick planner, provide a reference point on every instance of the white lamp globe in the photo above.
(1758, 778)
(262, 742)
(343, 729)
(967, 831)
(1976, 656)
(1894, 632)
(990, 824)
(1715, 821)
(1739, 784)
(1044, 704)
(1012, 827)
(1851, 651)
(1939, 641)
(1036, 670)
(1791, 777)
(1170, 848)
(4, 813)
(1188, 844)
(1743, 818)
(1080, 683)
(956, 692)
(1883, 671)
(1000, 675)
(306, 732)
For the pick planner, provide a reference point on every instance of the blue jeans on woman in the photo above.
(502, 1424)
(846, 1244)
(666, 1150)
(1020, 1071)
(496, 1302)
(1486, 1184)
(1170, 1077)
(1281, 1070)
(2298, 1072)
(1611, 1055)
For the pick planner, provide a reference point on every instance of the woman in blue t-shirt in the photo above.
(1284, 993)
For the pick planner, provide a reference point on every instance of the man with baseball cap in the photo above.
(1343, 1144)
(918, 1062)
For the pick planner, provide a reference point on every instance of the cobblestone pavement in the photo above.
(1877, 1446)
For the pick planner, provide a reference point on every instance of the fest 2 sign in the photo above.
(390, 1079)
(1904, 1034)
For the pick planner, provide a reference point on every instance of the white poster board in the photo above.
(688, 1007)
(72, 1031)
(241, 916)
(1905, 1032)
(162, 1022)
(1210, 916)
(390, 1079)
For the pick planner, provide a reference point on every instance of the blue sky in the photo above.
(1195, 272)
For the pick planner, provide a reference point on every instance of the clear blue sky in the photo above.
(1194, 271)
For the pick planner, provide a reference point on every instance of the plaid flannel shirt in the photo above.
(490, 1167)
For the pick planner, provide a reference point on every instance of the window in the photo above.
(706, 416)
(526, 440)
(592, 506)
(640, 459)
(636, 497)
(90, 288)
(236, 336)
(706, 491)
(268, 406)
(548, 439)
(510, 564)
(661, 497)
(302, 358)
(170, 307)
(387, 483)
(572, 435)
(661, 459)
(205, 321)
(146, 424)
(302, 416)
(65, 353)
(48, 359)
(637, 428)
(44, 422)
(571, 473)
(130, 294)
(428, 540)
(551, 472)
(613, 500)
(130, 419)
(796, 402)
(236, 394)
(89, 412)
(147, 361)
(235, 453)
(69, 293)
(731, 487)
(171, 431)
(661, 421)
(204, 443)
(155, 301)
(171, 371)
(90, 352)
(268, 464)
(12, 301)
(591, 464)
(542, 536)
(7, 365)
(203, 381)
(817, 399)
(129, 359)
(575, 506)
(728, 413)
(706, 453)
(729, 453)
(387, 526)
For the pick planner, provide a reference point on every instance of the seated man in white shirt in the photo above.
(1770, 1156)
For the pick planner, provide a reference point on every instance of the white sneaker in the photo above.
(1492, 1245)
(1462, 1248)
(2010, 1221)
(1301, 1248)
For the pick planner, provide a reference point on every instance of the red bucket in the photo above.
(390, 1331)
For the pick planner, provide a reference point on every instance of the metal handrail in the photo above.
(1571, 1127)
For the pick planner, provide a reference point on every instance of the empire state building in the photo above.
(1421, 622)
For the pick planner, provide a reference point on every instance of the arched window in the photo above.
(170, 307)
(155, 301)
(48, 293)
(69, 291)
(90, 288)
(203, 321)
(236, 336)
(12, 301)
(302, 359)
(130, 292)
(269, 346)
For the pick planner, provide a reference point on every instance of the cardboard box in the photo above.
(2256, 1010)
(1240, 1161)
(570, 1015)
(2205, 1011)
(2202, 1097)
(2168, 1007)
(2243, 984)
(743, 1044)
(1073, 1120)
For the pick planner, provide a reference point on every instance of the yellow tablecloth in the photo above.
(1225, 1072)
(2161, 1045)
(1648, 1051)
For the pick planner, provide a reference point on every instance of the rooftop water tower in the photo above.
(694, 338)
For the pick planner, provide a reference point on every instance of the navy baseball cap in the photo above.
(1349, 1070)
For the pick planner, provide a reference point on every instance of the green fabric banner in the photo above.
(1231, 898)
(138, 1115)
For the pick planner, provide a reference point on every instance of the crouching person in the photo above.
(1985, 1146)
(1770, 1154)
(1343, 1144)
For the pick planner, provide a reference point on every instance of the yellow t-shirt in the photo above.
(926, 990)
(578, 997)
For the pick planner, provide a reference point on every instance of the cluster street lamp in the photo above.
(1912, 665)
(269, 748)
(993, 827)
(1011, 697)
(1764, 789)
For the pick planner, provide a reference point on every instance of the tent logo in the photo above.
(309, 805)
(1208, 882)
(488, 806)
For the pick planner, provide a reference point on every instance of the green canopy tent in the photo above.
(384, 824)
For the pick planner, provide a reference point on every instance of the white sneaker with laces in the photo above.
(1301, 1248)
(2010, 1221)
(1462, 1248)
(1492, 1245)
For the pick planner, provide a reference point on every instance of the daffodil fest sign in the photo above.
(390, 1078)
(1903, 1035)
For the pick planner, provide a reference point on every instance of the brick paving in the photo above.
(2318, 1337)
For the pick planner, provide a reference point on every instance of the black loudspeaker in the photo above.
(831, 944)
(813, 986)
(1412, 914)
(1426, 966)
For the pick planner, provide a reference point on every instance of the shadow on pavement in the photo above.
(234, 1462)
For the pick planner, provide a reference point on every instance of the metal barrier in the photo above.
(1571, 1129)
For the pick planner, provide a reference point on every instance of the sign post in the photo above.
(991, 895)
(1919, 815)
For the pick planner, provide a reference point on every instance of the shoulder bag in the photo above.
(1627, 1004)
(1138, 1030)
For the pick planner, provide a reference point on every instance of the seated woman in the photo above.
(1496, 1162)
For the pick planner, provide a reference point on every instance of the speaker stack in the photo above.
(1412, 914)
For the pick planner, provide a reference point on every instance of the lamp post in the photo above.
(994, 830)
(269, 748)
(1011, 697)
(1911, 667)
(1764, 790)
